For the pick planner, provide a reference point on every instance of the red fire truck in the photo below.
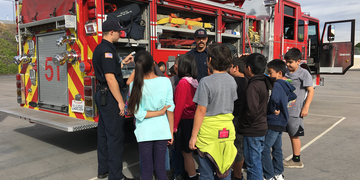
(56, 83)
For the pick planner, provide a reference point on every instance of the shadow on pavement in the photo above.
(3, 116)
(77, 142)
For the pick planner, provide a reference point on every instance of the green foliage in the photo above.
(8, 34)
(357, 50)
(357, 45)
(8, 69)
(8, 50)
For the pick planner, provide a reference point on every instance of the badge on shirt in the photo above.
(108, 55)
(223, 133)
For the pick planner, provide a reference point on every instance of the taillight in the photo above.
(89, 93)
(92, 14)
(18, 77)
(87, 81)
(20, 91)
(88, 101)
(18, 84)
(91, 3)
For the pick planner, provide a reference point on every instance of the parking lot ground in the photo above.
(330, 144)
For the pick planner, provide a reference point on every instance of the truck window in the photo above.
(289, 27)
(301, 30)
(289, 22)
(289, 10)
(313, 37)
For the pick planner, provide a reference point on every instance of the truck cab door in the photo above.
(336, 52)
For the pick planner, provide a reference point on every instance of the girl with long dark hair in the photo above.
(150, 98)
(185, 110)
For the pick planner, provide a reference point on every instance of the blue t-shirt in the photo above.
(156, 93)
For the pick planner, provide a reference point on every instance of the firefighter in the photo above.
(200, 53)
(110, 103)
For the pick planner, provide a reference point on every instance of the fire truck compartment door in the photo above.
(53, 88)
(336, 57)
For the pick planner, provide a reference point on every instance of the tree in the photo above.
(358, 45)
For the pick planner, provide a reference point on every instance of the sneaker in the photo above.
(273, 178)
(178, 177)
(291, 164)
(102, 176)
(126, 178)
(279, 177)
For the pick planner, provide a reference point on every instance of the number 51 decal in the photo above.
(49, 67)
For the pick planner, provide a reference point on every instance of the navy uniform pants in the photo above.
(110, 145)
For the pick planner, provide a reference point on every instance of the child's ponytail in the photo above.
(143, 65)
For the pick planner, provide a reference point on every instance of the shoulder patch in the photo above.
(108, 55)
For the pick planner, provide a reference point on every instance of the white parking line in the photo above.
(319, 136)
(325, 115)
(325, 95)
(125, 167)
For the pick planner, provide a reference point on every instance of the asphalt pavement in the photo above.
(330, 144)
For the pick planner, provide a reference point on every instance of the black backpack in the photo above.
(130, 17)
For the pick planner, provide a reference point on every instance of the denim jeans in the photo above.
(253, 147)
(275, 166)
(167, 159)
(177, 162)
(207, 170)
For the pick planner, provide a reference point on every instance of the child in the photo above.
(277, 118)
(302, 81)
(213, 131)
(237, 70)
(149, 103)
(175, 78)
(177, 160)
(253, 126)
(185, 110)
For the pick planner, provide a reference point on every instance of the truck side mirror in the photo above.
(331, 33)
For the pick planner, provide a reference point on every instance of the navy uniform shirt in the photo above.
(200, 62)
(105, 60)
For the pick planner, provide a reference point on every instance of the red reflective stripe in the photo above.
(91, 42)
(24, 67)
(35, 97)
(27, 87)
(79, 86)
(318, 79)
(71, 98)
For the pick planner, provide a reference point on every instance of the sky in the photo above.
(324, 10)
(334, 10)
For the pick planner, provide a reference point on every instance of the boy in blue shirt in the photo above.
(277, 119)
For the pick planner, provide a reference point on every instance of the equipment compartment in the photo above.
(138, 32)
(176, 28)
